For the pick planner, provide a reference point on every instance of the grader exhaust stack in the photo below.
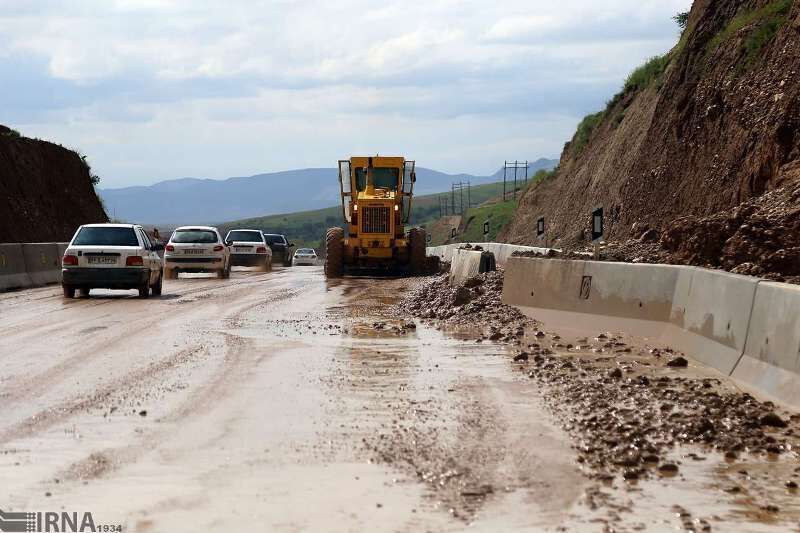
(376, 207)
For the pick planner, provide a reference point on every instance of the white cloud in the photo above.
(115, 76)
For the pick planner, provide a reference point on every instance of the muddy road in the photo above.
(285, 402)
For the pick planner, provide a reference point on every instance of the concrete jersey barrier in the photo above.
(24, 265)
(42, 262)
(771, 359)
(740, 325)
(13, 274)
(469, 263)
(500, 250)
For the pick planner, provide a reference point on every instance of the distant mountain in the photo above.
(195, 201)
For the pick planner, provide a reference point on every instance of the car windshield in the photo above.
(305, 251)
(197, 236)
(106, 236)
(245, 236)
(274, 239)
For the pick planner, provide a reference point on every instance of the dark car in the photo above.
(281, 248)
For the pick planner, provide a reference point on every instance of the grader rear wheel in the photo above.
(334, 253)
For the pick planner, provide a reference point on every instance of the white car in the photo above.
(305, 256)
(248, 248)
(197, 249)
(111, 256)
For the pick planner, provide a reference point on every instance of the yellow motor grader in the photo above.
(376, 205)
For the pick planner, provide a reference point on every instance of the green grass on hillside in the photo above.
(498, 215)
(652, 70)
(307, 228)
(767, 20)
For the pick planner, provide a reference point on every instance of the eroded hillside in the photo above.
(697, 132)
(46, 190)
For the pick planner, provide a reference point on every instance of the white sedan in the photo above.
(305, 256)
(197, 249)
(249, 249)
(111, 256)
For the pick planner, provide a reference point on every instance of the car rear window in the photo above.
(245, 236)
(197, 236)
(305, 251)
(274, 239)
(105, 236)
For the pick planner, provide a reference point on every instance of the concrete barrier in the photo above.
(500, 250)
(742, 326)
(62, 248)
(712, 311)
(469, 263)
(42, 262)
(771, 360)
(13, 274)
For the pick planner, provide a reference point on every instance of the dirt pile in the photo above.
(628, 408)
(634, 411)
(474, 305)
(46, 190)
(709, 126)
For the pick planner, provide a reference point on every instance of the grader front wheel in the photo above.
(334, 253)
(416, 244)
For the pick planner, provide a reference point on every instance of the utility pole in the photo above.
(516, 163)
(517, 166)
(505, 168)
(469, 197)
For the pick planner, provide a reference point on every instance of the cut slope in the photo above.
(46, 190)
(701, 130)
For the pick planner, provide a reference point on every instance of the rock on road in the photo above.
(268, 402)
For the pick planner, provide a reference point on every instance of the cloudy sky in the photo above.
(159, 89)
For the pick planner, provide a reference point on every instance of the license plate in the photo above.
(191, 251)
(102, 260)
(243, 248)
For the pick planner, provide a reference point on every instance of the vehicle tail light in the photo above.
(219, 248)
(70, 260)
(134, 260)
(261, 250)
(170, 248)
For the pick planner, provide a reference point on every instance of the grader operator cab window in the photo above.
(382, 178)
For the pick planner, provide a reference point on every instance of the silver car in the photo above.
(197, 249)
(249, 249)
(305, 256)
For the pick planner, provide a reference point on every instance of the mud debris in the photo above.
(473, 306)
(627, 408)
(760, 237)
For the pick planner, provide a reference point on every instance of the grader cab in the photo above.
(376, 205)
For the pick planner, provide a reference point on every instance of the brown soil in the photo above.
(46, 191)
(760, 237)
(719, 128)
(632, 408)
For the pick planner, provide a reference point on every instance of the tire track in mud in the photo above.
(47, 418)
(446, 432)
(232, 370)
(29, 387)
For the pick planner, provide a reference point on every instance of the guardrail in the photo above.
(24, 265)
(742, 326)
